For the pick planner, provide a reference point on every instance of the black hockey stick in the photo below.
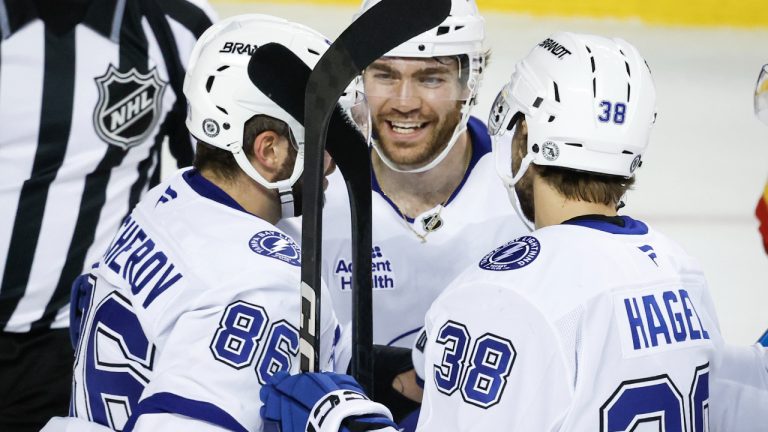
(271, 67)
(372, 35)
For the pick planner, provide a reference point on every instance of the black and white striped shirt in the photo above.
(83, 113)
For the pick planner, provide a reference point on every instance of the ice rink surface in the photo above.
(708, 158)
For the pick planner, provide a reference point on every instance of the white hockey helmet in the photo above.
(462, 33)
(222, 98)
(761, 95)
(589, 103)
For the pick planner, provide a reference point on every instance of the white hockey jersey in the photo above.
(194, 306)
(408, 274)
(597, 324)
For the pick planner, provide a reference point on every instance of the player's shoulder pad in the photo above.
(512, 255)
(273, 243)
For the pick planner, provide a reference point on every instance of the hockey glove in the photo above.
(321, 402)
(389, 362)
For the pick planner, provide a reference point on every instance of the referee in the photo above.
(89, 89)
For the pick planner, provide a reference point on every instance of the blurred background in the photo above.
(707, 163)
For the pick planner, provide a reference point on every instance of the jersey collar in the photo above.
(206, 189)
(624, 225)
(481, 145)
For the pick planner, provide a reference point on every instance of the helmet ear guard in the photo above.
(222, 98)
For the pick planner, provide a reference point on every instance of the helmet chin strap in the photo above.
(286, 202)
(460, 129)
(284, 187)
(512, 192)
(439, 158)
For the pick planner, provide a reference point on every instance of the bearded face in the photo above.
(415, 106)
(285, 171)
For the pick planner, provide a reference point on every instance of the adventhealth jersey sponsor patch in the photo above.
(657, 320)
(513, 255)
(276, 245)
(381, 267)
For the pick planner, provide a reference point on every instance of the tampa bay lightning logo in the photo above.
(276, 245)
(512, 255)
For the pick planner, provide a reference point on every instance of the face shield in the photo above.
(433, 79)
(502, 125)
(355, 105)
(761, 95)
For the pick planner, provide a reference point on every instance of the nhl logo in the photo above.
(128, 107)
(432, 222)
(211, 128)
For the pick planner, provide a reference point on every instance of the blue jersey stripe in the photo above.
(175, 404)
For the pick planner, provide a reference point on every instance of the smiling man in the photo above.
(436, 202)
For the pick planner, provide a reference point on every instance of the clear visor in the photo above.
(761, 95)
(504, 145)
(434, 78)
(502, 125)
(355, 105)
(501, 130)
(497, 118)
(502, 154)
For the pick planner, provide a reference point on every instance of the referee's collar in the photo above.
(101, 16)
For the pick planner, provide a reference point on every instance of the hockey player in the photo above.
(436, 202)
(595, 321)
(195, 304)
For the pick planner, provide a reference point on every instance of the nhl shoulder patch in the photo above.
(129, 106)
(276, 245)
(512, 255)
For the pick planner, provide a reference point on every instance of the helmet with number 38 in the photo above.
(589, 104)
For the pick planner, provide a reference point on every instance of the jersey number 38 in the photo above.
(479, 368)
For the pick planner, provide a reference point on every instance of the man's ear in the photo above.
(266, 152)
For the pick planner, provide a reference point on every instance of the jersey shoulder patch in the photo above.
(274, 244)
(512, 255)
